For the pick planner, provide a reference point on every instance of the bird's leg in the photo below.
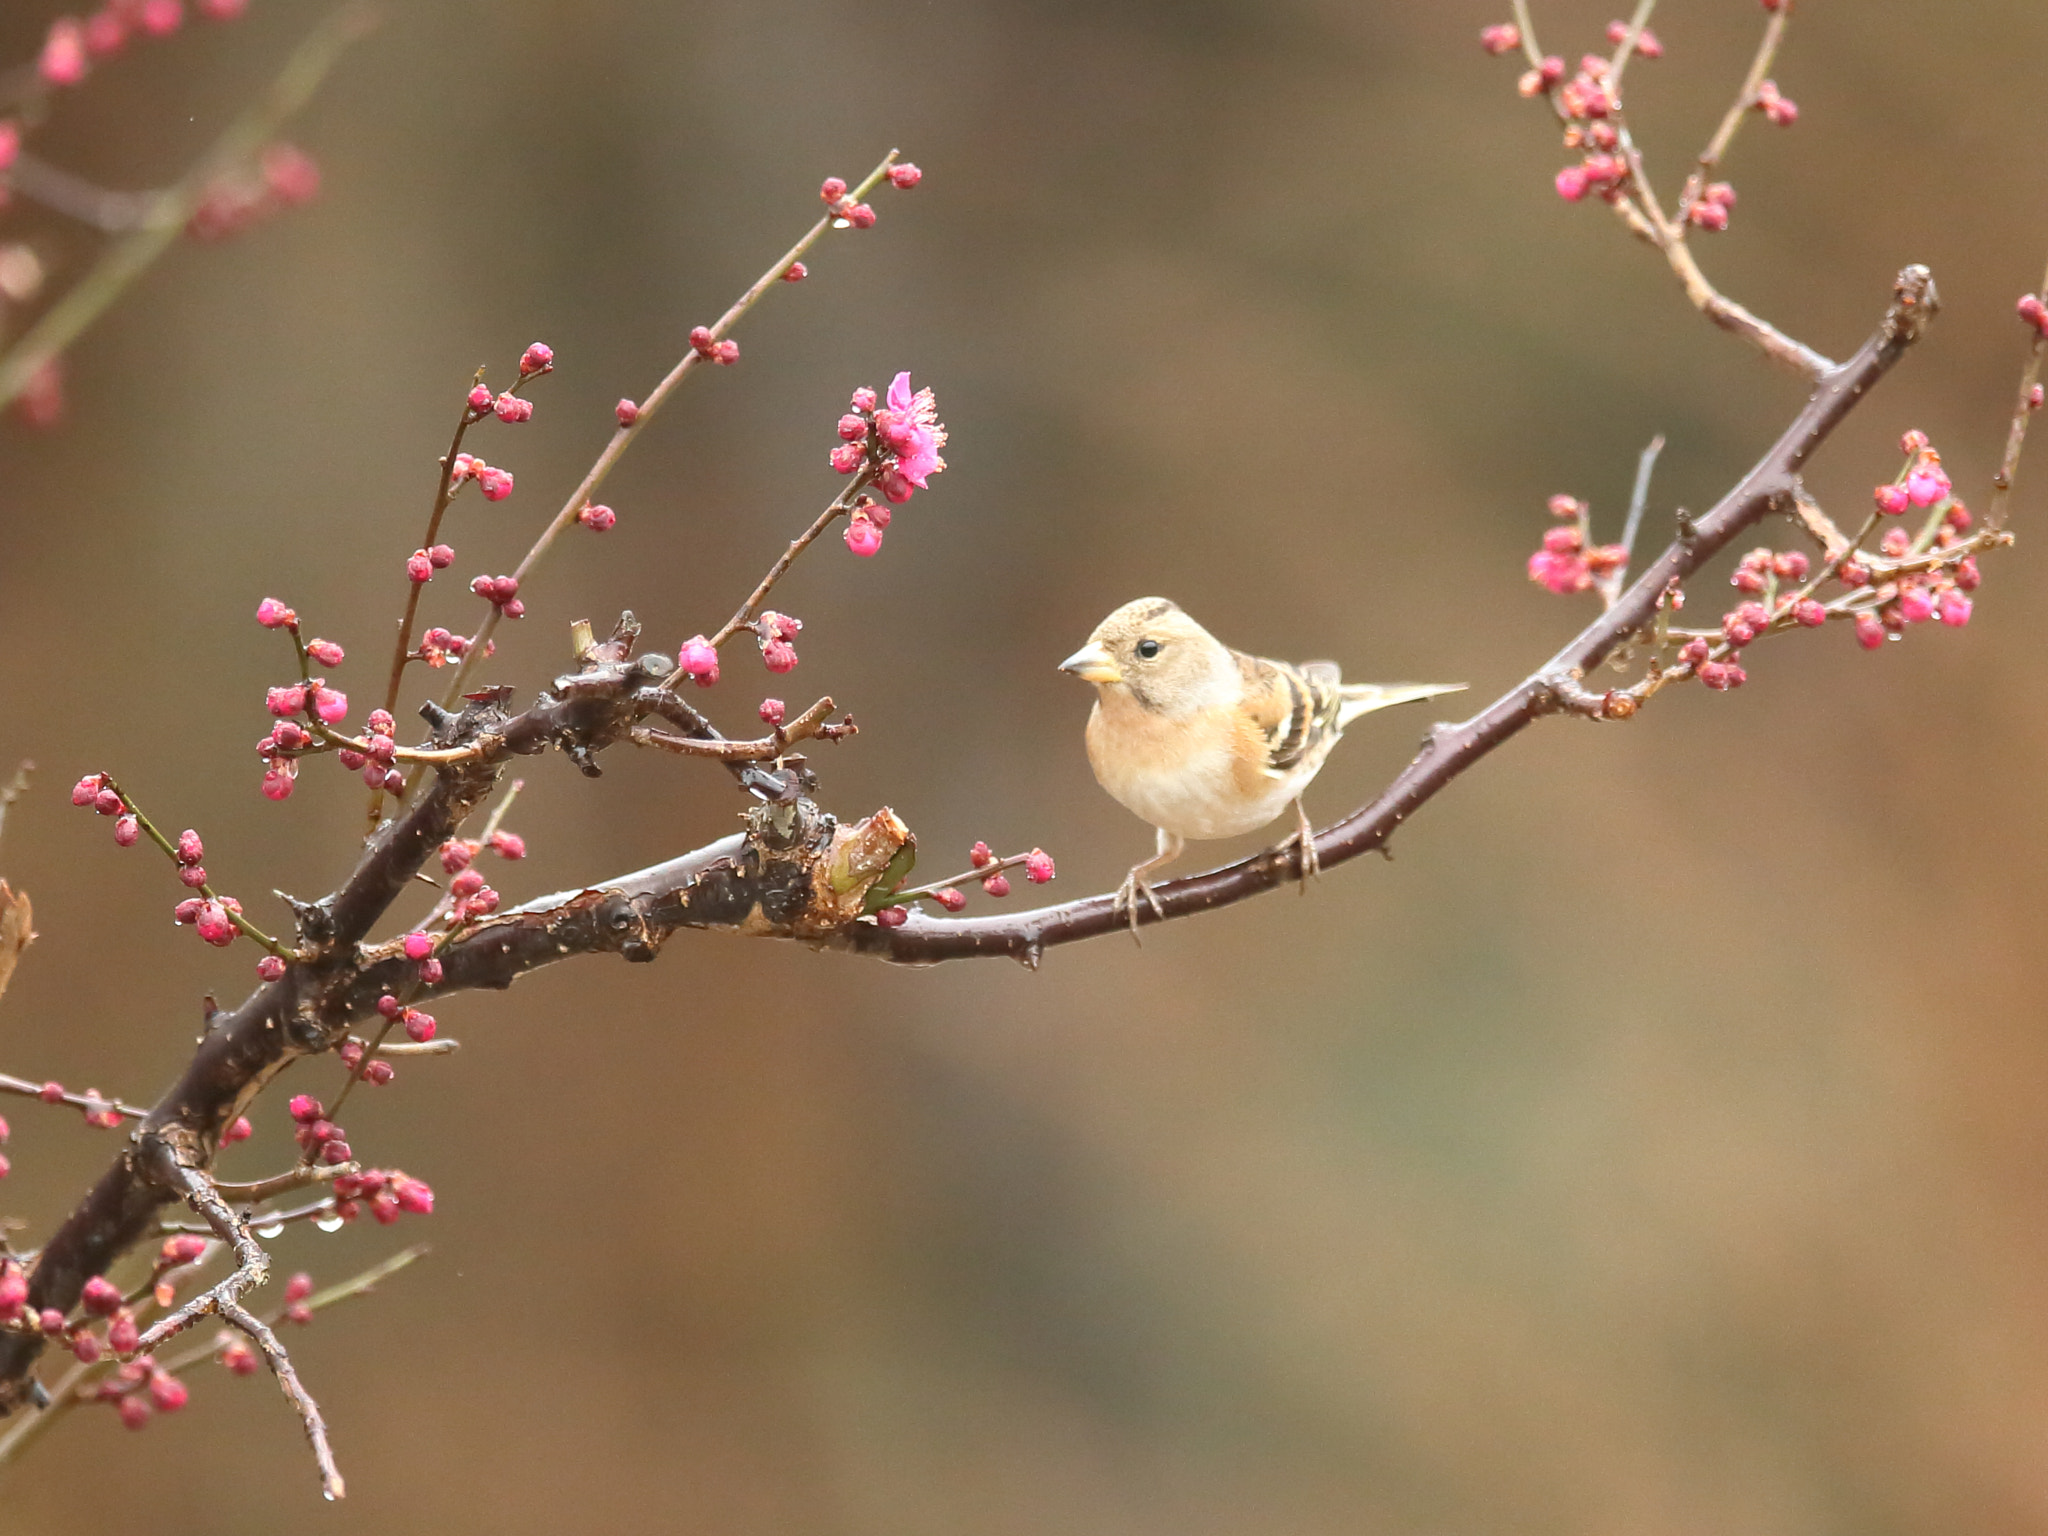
(1169, 848)
(1310, 866)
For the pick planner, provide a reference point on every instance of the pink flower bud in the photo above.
(537, 358)
(187, 911)
(627, 412)
(771, 712)
(13, 1294)
(192, 876)
(702, 341)
(795, 272)
(1500, 37)
(86, 1347)
(270, 968)
(1968, 577)
(496, 484)
(698, 660)
(950, 898)
(213, 925)
(863, 536)
(779, 656)
(509, 846)
(847, 457)
(305, 1109)
(326, 652)
(981, 855)
(1926, 485)
(468, 883)
(167, 1392)
(431, 971)
(1038, 866)
(133, 1411)
(63, 61)
(860, 216)
(87, 790)
(480, 398)
(511, 408)
(1809, 613)
(331, 705)
(419, 1027)
(1572, 182)
(904, 176)
(101, 1297)
(413, 1195)
(1869, 632)
(893, 917)
(1791, 564)
(418, 945)
(418, 567)
(1718, 675)
(378, 1073)
(853, 428)
(832, 189)
(126, 830)
(272, 614)
(107, 803)
(863, 399)
(380, 722)
(1892, 499)
(238, 1130)
(1955, 609)
(599, 519)
(1916, 606)
(997, 885)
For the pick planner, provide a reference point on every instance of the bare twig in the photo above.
(2016, 434)
(172, 209)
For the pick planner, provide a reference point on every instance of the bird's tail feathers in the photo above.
(1363, 698)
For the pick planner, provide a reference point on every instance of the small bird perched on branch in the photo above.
(1203, 741)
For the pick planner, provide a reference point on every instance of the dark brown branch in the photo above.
(796, 873)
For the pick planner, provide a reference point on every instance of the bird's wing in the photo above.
(1294, 708)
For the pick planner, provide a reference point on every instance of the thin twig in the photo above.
(1744, 103)
(16, 788)
(622, 439)
(751, 608)
(131, 255)
(2016, 434)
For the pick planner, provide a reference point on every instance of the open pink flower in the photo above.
(911, 430)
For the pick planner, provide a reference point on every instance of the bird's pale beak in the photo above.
(1092, 664)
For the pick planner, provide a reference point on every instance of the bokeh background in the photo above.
(1659, 1143)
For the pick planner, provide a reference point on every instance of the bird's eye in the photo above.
(1147, 649)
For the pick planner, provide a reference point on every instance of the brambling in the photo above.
(1203, 741)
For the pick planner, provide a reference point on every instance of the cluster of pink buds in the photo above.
(93, 790)
(318, 1137)
(210, 918)
(1779, 108)
(388, 1191)
(100, 1298)
(501, 592)
(708, 346)
(378, 1074)
(312, 697)
(1711, 208)
(71, 45)
(140, 1389)
(438, 646)
(419, 1027)
(698, 661)
(846, 213)
(285, 177)
(419, 948)
(898, 444)
(865, 525)
(377, 764)
(777, 634)
(1647, 45)
(472, 898)
(421, 564)
(495, 483)
(983, 865)
(1568, 560)
(458, 852)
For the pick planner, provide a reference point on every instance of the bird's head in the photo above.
(1158, 655)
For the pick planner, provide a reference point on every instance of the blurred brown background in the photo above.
(1659, 1144)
